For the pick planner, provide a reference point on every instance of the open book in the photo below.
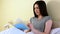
(21, 25)
(19, 28)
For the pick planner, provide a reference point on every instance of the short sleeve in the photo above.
(30, 20)
(48, 18)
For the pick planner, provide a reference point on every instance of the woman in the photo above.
(41, 23)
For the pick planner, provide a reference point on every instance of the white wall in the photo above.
(13, 9)
(53, 7)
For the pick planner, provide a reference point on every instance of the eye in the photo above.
(37, 7)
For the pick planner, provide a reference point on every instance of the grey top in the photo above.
(40, 24)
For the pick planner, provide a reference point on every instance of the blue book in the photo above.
(21, 26)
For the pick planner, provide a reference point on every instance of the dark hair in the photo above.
(42, 7)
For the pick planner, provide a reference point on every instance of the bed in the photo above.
(12, 31)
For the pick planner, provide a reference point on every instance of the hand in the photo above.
(27, 31)
(30, 26)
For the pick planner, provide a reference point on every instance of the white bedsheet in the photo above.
(17, 31)
(55, 31)
(12, 31)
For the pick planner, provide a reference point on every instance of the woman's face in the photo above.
(36, 9)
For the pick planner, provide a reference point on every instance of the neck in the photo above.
(40, 17)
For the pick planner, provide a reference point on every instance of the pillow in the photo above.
(55, 31)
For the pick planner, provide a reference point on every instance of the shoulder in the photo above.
(48, 17)
(48, 21)
(32, 18)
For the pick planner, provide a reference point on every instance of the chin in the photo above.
(37, 13)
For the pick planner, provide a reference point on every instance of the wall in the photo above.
(10, 10)
(13, 9)
(53, 7)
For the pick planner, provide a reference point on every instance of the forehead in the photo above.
(36, 5)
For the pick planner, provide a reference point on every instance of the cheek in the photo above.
(37, 11)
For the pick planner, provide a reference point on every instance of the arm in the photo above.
(48, 26)
(28, 26)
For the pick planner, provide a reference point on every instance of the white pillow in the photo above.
(55, 31)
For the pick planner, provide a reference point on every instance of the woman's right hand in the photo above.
(30, 25)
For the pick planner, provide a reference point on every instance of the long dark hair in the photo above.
(42, 7)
